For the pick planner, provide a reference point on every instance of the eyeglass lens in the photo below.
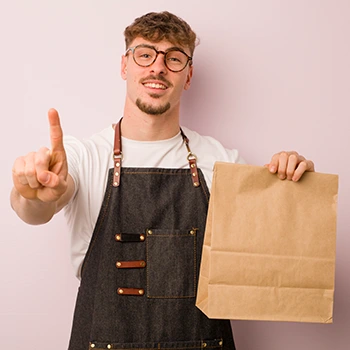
(175, 60)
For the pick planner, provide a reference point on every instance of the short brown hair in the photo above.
(158, 26)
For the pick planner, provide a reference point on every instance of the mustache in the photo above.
(157, 77)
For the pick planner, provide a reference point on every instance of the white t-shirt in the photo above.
(89, 162)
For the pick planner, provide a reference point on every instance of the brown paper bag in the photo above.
(269, 246)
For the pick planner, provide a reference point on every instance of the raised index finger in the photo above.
(56, 133)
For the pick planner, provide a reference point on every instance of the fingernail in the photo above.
(272, 169)
(46, 178)
(281, 176)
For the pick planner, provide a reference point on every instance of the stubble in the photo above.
(152, 110)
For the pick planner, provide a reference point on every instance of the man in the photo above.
(136, 200)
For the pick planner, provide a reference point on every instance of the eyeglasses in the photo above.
(175, 59)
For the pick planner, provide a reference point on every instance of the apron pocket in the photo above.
(179, 345)
(171, 263)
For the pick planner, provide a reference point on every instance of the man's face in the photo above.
(155, 90)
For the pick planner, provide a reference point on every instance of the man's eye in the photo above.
(145, 55)
(174, 59)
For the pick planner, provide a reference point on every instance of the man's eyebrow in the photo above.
(147, 45)
(168, 49)
(175, 48)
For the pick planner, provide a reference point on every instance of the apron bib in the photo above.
(140, 274)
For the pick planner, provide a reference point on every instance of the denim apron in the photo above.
(140, 273)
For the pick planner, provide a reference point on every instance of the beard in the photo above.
(152, 110)
(148, 108)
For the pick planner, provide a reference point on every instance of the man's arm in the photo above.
(42, 185)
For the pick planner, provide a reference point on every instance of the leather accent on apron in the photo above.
(131, 291)
(137, 264)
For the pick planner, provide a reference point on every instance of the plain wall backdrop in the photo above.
(269, 75)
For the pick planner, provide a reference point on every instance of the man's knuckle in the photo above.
(39, 161)
(303, 164)
(310, 164)
(29, 172)
(293, 157)
(283, 154)
(19, 172)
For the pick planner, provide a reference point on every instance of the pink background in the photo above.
(269, 75)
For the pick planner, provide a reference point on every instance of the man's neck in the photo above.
(144, 127)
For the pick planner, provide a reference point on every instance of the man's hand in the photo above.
(43, 175)
(289, 165)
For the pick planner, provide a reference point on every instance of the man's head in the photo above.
(156, 27)
(157, 64)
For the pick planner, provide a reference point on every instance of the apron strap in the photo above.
(118, 157)
(117, 154)
(192, 160)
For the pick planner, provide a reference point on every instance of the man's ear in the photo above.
(189, 78)
(123, 67)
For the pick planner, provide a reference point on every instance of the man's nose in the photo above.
(158, 65)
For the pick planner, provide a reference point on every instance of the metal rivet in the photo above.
(192, 165)
(117, 164)
(92, 345)
(120, 291)
(141, 291)
(109, 346)
(193, 174)
(196, 184)
(142, 237)
(116, 183)
(117, 237)
(149, 232)
(192, 232)
(220, 342)
(119, 263)
(116, 174)
(204, 345)
(142, 264)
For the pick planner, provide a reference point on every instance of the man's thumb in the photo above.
(44, 178)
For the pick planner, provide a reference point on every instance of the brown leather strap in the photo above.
(117, 155)
(136, 264)
(192, 160)
(194, 171)
(131, 291)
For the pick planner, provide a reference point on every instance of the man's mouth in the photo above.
(155, 86)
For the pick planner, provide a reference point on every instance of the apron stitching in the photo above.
(98, 225)
(204, 188)
(195, 264)
(147, 269)
(194, 273)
